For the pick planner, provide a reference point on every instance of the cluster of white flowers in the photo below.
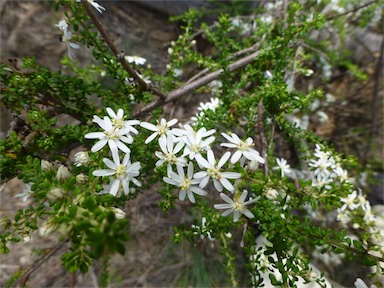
(352, 202)
(326, 170)
(183, 150)
(66, 37)
(212, 105)
(117, 134)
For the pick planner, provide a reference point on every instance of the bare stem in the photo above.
(23, 280)
(118, 53)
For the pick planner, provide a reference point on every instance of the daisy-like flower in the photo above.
(116, 138)
(283, 166)
(124, 173)
(67, 37)
(236, 207)
(349, 201)
(136, 59)
(219, 178)
(26, 193)
(185, 182)
(194, 140)
(322, 182)
(169, 152)
(161, 129)
(119, 122)
(244, 148)
(96, 5)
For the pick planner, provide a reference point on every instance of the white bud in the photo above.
(193, 42)
(271, 193)
(63, 173)
(253, 165)
(55, 194)
(81, 178)
(47, 228)
(82, 158)
(46, 165)
(119, 214)
(170, 51)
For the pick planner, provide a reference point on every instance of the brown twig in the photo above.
(23, 280)
(118, 53)
(187, 88)
(375, 106)
(352, 10)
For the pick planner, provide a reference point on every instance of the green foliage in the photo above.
(257, 64)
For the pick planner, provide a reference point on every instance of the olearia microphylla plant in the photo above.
(225, 164)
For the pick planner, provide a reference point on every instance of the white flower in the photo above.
(219, 178)
(236, 207)
(97, 6)
(26, 193)
(161, 129)
(283, 166)
(361, 284)
(194, 140)
(322, 181)
(169, 152)
(185, 182)
(214, 102)
(67, 37)
(136, 59)
(62, 25)
(111, 135)
(323, 164)
(244, 148)
(203, 230)
(82, 158)
(118, 121)
(124, 173)
(349, 201)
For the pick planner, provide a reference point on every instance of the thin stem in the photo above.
(118, 53)
(352, 10)
(189, 87)
(23, 280)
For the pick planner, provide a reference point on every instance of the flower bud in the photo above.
(47, 227)
(81, 178)
(170, 51)
(46, 165)
(82, 158)
(270, 193)
(253, 165)
(55, 194)
(63, 173)
(119, 214)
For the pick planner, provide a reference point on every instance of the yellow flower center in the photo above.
(185, 184)
(118, 123)
(214, 173)
(120, 171)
